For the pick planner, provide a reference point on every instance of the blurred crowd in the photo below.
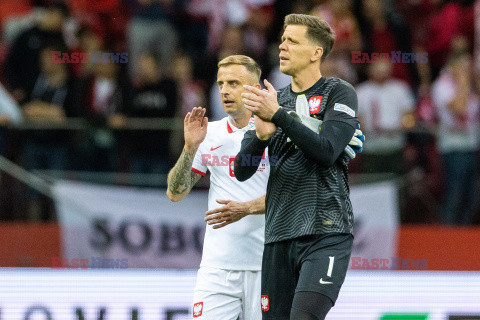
(150, 59)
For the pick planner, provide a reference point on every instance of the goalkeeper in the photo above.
(309, 215)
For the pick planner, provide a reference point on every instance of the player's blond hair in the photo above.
(319, 31)
(238, 59)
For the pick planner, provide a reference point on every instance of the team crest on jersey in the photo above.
(314, 104)
(265, 303)
(197, 309)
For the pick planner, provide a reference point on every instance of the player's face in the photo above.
(296, 51)
(230, 80)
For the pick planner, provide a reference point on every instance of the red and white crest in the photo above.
(197, 309)
(265, 303)
(314, 104)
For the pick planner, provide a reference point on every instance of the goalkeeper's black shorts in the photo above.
(315, 263)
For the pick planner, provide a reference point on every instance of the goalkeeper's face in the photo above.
(230, 81)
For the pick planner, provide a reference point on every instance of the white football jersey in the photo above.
(237, 246)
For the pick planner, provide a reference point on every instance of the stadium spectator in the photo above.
(47, 149)
(88, 41)
(457, 99)
(338, 14)
(191, 91)
(382, 103)
(422, 186)
(109, 19)
(256, 31)
(152, 27)
(47, 102)
(383, 31)
(220, 14)
(100, 98)
(449, 20)
(21, 67)
(155, 96)
(416, 13)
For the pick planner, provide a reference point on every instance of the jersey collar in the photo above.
(317, 84)
(231, 128)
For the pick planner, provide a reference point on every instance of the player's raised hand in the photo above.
(232, 211)
(263, 128)
(195, 128)
(263, 103)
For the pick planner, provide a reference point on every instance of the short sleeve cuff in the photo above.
(199, 172)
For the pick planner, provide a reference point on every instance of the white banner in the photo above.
(375, 208)
(124, 227)
(129, 227)
(42, 294)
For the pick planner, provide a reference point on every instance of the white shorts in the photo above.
(224, 295)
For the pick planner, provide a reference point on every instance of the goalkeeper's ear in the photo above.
(257, 85)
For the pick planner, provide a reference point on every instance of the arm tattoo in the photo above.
(180, 179)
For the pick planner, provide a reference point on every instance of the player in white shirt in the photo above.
(228, 281)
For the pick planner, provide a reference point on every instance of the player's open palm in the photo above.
(195, 127)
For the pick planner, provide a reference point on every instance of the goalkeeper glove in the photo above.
(356, 143)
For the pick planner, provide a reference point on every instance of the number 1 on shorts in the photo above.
(330, 266)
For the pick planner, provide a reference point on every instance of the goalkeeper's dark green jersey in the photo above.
(307, 190)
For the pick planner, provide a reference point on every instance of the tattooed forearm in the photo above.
(180, 179)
